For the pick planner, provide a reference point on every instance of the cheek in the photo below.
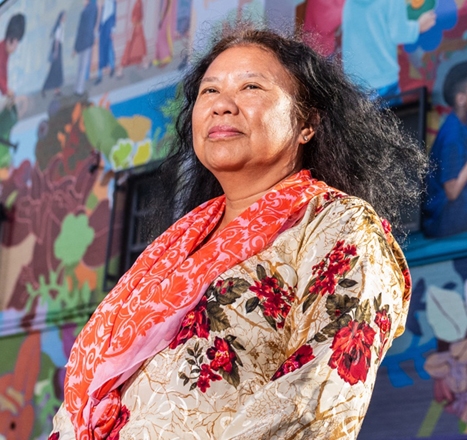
(196, 122)
(280, 121)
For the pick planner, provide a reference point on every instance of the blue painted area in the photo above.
(421, 250)
(415, 352)
(446, 18)
(26, 141)
(148, 105)
(10, 321)
(52, 345)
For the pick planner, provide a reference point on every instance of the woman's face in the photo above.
(244, 116)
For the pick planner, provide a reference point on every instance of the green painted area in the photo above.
(120, 155)
(8, 118)
(414, 13)
(102, 129)
(63, 304)
(431, 419)
(74, 238)
(10, 349)
(92, 202)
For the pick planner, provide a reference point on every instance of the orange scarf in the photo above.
(142, 314)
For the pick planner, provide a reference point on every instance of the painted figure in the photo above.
(135, 49)
(323, 19)
(13, 35)
(165, 33)
(54, 78)
(183, 16)
(84, 42)
(106, 47)
(445, 210)
(371, 32)
(8, 111)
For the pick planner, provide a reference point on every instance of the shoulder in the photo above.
(335, 217)
(341, 219)
(451, 127)
(335, 206)
(451, 134)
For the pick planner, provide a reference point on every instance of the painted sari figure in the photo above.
(323, 18)
(54, 78)
(108, 21)
(165, 33)
(135, 49)
(84, 43)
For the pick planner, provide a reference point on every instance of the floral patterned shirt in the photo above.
(284, 345)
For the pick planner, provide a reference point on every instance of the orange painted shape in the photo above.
(85, 274)
(417, 4)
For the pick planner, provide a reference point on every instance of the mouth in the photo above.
(223, 132)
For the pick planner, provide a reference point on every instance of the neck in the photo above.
(241, 193)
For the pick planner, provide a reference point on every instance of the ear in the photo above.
(306, 133)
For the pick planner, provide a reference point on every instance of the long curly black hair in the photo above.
(358, 147)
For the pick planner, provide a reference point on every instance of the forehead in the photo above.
(250, 60)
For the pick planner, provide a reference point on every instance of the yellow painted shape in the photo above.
(137, 127)
(143, 153)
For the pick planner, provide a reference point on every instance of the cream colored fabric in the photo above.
(315, 312)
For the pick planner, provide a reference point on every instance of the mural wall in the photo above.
(86, 90)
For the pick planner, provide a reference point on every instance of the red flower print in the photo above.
(333, 267)
(195, 323)
(301, 357)
(383, 321)
(205, 377)
(122, 420)
(408, 284)
(386, 226)
(351, 351)
(221, 355)
(275, 301)
(223, 286)
(54, 436)
(327, 199)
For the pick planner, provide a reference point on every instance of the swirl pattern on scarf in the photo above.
(143, 313)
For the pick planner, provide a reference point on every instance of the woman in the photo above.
(84, 43)
(265, 311)
(165, 33)
(54, 78)
(107, 23)
(135, 49)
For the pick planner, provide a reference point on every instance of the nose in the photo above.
(224, 104)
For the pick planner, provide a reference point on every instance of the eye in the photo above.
(252, 86)
(208, 90)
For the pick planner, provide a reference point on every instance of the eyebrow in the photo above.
(242, 75)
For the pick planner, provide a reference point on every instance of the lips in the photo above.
(223, 132)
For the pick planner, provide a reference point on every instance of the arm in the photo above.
(401, 29)
(426, 21)
(454, 187)
(338, 336)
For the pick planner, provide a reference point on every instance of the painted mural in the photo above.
(87, 89)
(392, 47)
